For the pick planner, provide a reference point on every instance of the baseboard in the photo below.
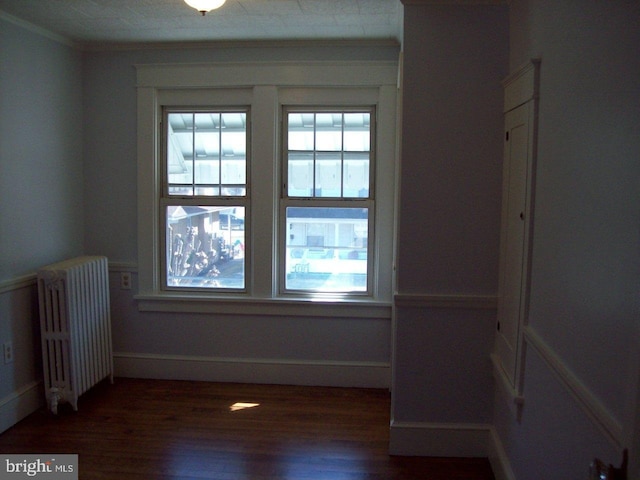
(440, 439)
(243, 370)
(499, 459)
(19, 404)
(451, 440)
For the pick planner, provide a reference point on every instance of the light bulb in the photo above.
(204, 6)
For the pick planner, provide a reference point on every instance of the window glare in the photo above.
(326, 249)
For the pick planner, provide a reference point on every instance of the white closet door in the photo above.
(514, 241)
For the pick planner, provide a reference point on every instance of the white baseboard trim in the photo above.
(499, 460)
(19, 404)
(440, 439)
(248, 370)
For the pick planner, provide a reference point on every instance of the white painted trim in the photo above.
(30, 279)
(515, 400)
(21, 403)
(413, 300)
(440, 439)
(123, 267)
(283, 74)
(521, 89)
(37, 30)
(185, 303)
(17, 283)
(253, 370)
(499, 460)
(522, 85)
(589, 402)
(157, 83)
(455, 2)
(374, 43)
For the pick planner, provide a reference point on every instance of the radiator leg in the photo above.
(54, 397)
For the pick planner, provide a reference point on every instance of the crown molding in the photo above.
(455, 2)
(38, 30)
(231, 44)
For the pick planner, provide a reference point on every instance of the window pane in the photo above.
(206, 144)
(356, 175)
(328, 175)
(356, 132)
(207, 170)
(234, 153)
(207, 153)
(329, 132)
(300, 135)
(180, 149)
(300, 182)
(205, 247)
(326, 249)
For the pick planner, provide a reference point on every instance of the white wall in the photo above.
(41, 207)
(40, 150)
(279, 347)
(585, 282)
(454, 59)
(110, 130)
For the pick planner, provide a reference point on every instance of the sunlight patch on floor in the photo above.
(242, 406)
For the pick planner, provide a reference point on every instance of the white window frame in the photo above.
(330, 202)
(167, 199)
(265, 88)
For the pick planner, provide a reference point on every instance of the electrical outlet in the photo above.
(125, 280)
(8, 352)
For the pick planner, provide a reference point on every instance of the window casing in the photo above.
(266, 91)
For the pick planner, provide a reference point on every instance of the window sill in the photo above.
(293, 307)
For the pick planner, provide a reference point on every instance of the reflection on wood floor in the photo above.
(161, 430)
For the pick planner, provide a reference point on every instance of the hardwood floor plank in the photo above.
(170, 430)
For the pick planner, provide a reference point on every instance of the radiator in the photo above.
(75, 326)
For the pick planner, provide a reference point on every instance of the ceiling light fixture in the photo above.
(204, 6)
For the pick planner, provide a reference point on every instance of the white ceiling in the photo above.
(87, 22)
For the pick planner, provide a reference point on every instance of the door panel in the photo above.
(513, 237)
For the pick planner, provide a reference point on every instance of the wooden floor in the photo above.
(160, 430)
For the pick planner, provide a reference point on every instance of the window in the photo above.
(204, 198)
(254, 185)
(327, 199)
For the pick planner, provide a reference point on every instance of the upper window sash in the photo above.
(206, 153)
(328, 152)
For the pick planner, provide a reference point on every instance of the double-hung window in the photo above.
(272, 183)
(327, 201)
(204, 198)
